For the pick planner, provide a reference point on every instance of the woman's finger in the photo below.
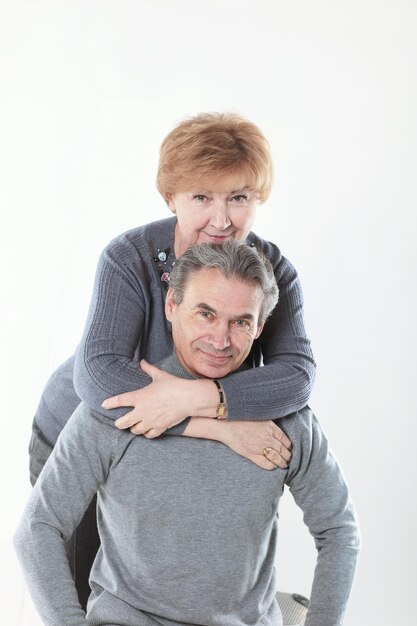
(283, 451)
(128, 420)
(137, 429)
(150, 370)
(123, 399)
(281, 437)
(154, 432)
(275, 457)
(263, 462)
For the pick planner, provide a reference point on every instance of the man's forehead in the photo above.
(209, 286)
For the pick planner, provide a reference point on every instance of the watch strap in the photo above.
(221, 409)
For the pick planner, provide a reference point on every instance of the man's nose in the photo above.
(219, 218)
(220, 337)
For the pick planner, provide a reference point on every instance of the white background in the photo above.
(88, 91)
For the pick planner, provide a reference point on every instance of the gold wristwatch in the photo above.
(221, 409)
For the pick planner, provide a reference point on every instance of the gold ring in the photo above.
(267, 451)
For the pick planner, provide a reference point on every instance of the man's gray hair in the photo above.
(234, 259)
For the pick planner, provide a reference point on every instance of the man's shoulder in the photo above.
(85, 422)
(296, 423)
(94, 431)
(305, 433)
(310, 446)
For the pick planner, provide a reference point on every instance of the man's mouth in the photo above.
(216, 358)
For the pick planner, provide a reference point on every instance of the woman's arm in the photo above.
(261, 442)
(248, 438)
(125, 322)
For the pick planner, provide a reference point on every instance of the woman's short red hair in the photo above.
(212, 147)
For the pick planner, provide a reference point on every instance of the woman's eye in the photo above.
(200, 197)
(241, 197)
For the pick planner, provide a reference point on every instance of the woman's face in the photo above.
(212, 216)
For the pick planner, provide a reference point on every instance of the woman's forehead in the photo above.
(222, 183)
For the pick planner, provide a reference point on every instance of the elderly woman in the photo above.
(214, 171)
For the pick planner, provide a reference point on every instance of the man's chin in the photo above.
(209, 370)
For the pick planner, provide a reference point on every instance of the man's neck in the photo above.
(173, 365)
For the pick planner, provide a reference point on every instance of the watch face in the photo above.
(221, 411)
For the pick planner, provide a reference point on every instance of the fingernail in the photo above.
(104, 404)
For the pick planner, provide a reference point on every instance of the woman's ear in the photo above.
(170, 202)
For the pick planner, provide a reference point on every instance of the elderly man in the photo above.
(188, 528)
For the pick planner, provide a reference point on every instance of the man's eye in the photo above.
(205, 314)
(242, 323)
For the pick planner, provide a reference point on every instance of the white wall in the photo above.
(89, 89)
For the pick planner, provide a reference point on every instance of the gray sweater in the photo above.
(126, 322)
(188, 528)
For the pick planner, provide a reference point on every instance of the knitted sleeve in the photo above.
(125, 323)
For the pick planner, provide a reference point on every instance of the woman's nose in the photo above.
(219, 218)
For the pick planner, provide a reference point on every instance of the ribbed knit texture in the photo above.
(126, 322)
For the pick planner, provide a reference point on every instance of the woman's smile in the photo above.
(212, 216)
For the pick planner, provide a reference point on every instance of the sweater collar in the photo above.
(173, 366)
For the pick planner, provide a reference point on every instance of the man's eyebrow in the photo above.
(206, 307)
(244, 316)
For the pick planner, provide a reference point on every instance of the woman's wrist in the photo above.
(204, 428)
(205, 398)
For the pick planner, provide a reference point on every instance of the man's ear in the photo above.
(258, 332)
(169, 304)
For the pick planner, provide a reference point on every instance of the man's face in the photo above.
(214, 326)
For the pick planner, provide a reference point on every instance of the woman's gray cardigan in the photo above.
(126, 322)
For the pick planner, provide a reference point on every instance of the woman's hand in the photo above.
(165, 402)
(156, 407)
(262, 442)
